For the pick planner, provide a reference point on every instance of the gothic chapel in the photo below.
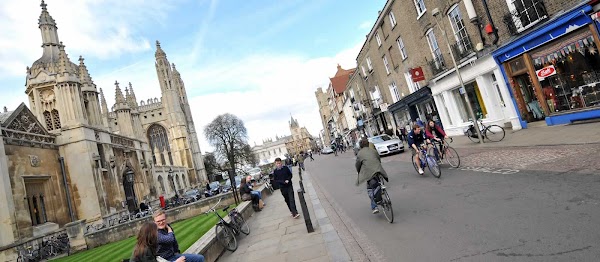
(66, 157)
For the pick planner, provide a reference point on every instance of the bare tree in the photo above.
(228, 135)
(211, 165)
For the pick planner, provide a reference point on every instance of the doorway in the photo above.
(534, 109)
(128, 182)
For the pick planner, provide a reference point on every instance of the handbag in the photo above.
(246, 197)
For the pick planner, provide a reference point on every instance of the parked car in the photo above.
(215, 188)
(256, 173)
(385, 144)
(227, 186)
(192, 194)
(327, 150)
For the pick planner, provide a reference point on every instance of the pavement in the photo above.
(276, 236)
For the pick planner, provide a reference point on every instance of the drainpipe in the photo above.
(64, 176)
(489, 16)
(474, 19)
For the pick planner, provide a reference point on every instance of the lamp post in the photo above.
(436, 13)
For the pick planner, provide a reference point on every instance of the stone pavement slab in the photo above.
(276, 236)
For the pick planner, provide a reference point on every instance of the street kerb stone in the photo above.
(335, 250)
(300, 242)
(357, 245)
(306, 253)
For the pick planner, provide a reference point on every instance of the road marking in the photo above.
(504, 171)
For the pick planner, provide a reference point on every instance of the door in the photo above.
(534, 110)
(128, 182)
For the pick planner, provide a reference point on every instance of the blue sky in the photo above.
(260, 60)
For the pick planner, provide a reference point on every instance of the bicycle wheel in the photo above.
(433, 166)
(451, 157)
(386, 204)
(494, 133)
(473, 137)
(241, 223)
(226, 237)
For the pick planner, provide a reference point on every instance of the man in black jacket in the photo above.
(283, 176)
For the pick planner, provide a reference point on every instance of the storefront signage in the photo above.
(545, 72)
(417, 74)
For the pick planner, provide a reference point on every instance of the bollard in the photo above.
(300, 173)
(309, 226)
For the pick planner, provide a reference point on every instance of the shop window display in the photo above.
(576, 82)
(476, 102)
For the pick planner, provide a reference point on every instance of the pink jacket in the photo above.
(429, 135)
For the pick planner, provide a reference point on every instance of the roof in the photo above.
(341, 78)
(4, 116)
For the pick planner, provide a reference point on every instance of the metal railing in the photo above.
(526, 14)
(437, 65)
(462, 49)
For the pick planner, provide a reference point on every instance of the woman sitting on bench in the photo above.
(246, 192)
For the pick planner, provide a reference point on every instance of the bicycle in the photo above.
(494, 133)
(427, 160)
(447, 153)
(27, 254)
(385, 205)
(226, 232)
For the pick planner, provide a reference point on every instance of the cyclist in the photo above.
(368, 166)
(416, 139)
(435, 132)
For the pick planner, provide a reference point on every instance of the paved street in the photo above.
(484, 211)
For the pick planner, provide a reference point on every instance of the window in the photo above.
(401, 48)
(475, 98)
(376, 97)
(48, 120)
(460, 32)
(363, 71)
(36, 203)
(420, 5)
(435, 49)
(392, 19)
(159, 141)
(412, 86)
(387, 65)
(378, 39)
(526, 13)
(394, 91)
(369, 64)
(56, 119)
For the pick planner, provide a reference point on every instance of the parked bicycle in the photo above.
(385, 205)
(494, 133)
(447, 152)
(226, 232)
(427, 160)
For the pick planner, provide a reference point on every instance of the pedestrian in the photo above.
(146, 245)
(300, 158)
(250, 195)
(283, 176)
(289, 162)
(168, 248)
(310, 155)
(368, 165)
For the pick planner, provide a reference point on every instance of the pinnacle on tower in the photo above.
(103, 101)
(159, 51)
(119, 99)
(131, 100)
(84, 74)
(64, 64)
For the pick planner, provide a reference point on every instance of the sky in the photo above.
(259, 60)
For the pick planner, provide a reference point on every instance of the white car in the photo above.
(386, 145)
(256, 173)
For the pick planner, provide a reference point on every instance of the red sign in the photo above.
(545, 72)
(417, 74)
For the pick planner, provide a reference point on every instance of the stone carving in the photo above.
(26, 122)
(47, 96)
(121, 141)
(34, 160)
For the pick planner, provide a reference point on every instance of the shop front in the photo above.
(488, 96)
(418, 105)
(554, 71)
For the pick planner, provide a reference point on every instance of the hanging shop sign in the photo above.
(417, 74)
(545, 72)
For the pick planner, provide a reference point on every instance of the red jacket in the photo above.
(429, 135)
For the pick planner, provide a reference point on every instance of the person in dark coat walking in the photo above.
(283, 176)
(368, 165)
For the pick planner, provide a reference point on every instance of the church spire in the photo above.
(159, 51)
(103, 102)
(48, 27)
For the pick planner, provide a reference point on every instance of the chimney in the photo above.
(5, 110)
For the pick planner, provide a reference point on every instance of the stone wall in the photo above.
(47, 172)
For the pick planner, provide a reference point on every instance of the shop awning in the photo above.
(412, 99)
(546, 32)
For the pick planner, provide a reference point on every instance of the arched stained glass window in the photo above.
(157, 136)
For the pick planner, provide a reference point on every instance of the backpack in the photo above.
(376, 187)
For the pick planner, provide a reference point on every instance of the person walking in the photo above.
(368, 165)
(289, 162)
(168, 248)
(283, 176)
(300, 158)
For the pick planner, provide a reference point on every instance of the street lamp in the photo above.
(436, 13)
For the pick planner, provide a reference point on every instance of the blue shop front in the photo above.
(554, 70)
